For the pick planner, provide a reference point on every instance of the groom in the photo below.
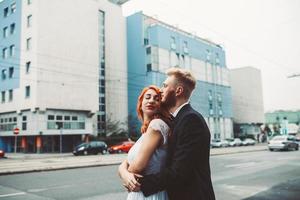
(187, 172)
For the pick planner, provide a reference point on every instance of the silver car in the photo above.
(283, 142)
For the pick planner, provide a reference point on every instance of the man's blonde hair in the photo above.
(183, 78)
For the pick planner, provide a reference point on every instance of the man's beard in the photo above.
(170, 100)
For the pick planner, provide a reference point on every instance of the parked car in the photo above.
(219, 143)
(248, 141)
(121, 147)
(283, 142)
(234, 142)
(93, 147)
(2, 153)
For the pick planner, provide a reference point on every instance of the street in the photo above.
(253, 175)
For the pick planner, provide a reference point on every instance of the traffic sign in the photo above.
(16, 131)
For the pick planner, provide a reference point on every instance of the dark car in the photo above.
(93, 147)
(121, 147)
(2, 153)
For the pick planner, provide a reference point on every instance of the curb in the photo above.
(55, 168)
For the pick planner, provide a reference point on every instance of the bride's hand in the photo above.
(131, 183)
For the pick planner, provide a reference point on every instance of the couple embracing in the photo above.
(171, 158)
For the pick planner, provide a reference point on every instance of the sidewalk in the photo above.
(24, 163)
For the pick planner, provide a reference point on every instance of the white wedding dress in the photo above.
(156, 163)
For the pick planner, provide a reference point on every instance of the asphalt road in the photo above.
(260, 175)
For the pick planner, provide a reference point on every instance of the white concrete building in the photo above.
(67, 72)
(247, 99)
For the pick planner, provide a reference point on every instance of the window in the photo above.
(102, 72)
(13, 7)
(102, 100)
(219, 96)
(4, 53)
(12, 28)
(102, 82)
(3, 96)
(173, 43)
(148, 50)
(5, 13)
(10, 95)
(12, 50)
(10, 72)
(146, 41)
(29, 20)
(59, 117)
(27, 91)
(28, 44)
(102, 107)
(74, 118)
(102, 90)
(24, 123)
(217, 59)
(5, 32)
(185, 47)
(67, 118)
(50, 117)
(149, 67)
(28, 67)
(24, 126)
(3, 74)
(29, 2)
(207, 55)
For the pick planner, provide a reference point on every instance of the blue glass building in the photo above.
(154, 46)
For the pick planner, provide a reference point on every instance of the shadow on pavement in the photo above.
(289, 190)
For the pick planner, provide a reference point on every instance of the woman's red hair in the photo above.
(161, 114)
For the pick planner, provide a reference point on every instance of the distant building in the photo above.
(154, 46)
(286, 121)
(63, 71)
(247, 100)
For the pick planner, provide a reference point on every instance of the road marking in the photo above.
(12, 194)
(243, 190)
(241, 165)
(34, 190)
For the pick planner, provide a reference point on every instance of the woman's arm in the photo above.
(152, 140)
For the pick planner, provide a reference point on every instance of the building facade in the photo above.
(247, 100)
(286, 121)
(63, 72)
(154, 46)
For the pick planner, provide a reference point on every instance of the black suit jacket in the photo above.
(187, 173)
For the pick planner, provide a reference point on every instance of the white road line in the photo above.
(241, 165)
(12, 194)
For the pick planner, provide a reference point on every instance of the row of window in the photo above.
(9, 123)
(11, 53)
(9, 10)
(11, 94)
(12, 30)
(64, 118)
(11, 71)
(8, 120)
(8, 127)
(12, 49)
(65, 125)
(10, 74)
(101, 36)
(185, 49)
(210, 96)
(12, 8)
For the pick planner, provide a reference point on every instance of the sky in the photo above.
(264, 34)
